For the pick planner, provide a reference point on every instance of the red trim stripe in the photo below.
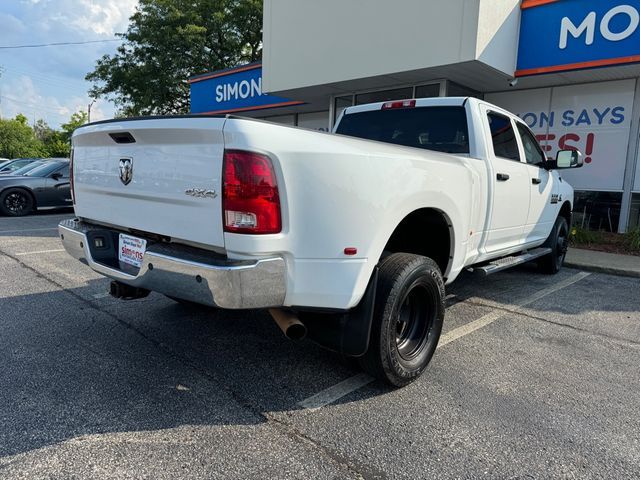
(535, 3)
(257, 107)
(226, 72)
(578, 66)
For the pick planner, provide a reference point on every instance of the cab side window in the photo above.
(532, 151)
(503, 137)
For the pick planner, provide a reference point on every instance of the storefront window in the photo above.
(340, 104)
(314, 121)
(384, 95)
(597, 210)
(427, 91)
(457, 90)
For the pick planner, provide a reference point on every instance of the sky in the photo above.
(48, 82)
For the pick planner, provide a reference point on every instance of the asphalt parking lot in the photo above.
(536, 377)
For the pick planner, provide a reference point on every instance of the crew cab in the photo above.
(348, 237)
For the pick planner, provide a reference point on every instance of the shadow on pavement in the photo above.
(73, 365)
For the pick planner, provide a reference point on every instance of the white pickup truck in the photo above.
(348, 237)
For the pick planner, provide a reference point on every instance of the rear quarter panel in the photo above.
(339, 192)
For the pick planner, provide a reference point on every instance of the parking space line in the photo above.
(28, 230)
(491, 317)
(335, 392)
(39, 251)
(331, 394)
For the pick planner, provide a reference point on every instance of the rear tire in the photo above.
(16, 202)
(407, 319)
(558, 242)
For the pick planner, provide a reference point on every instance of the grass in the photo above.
(632, 239)
(628, 243)
(583, 236)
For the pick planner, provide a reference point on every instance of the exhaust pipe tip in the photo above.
(296, 332)
(290, 325)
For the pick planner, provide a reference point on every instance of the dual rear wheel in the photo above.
(409, 310)
(407, 319)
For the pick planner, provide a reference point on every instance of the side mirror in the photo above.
(566, 159)
(56, 176)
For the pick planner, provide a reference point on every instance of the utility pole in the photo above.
(89, 110)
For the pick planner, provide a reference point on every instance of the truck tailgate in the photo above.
(156, 175)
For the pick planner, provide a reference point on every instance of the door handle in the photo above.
(502, 177)
(536, 181)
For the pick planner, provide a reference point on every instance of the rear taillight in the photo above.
(399, 104)
(73, 197)
(250, 198)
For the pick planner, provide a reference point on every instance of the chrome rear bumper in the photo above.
(195, 275)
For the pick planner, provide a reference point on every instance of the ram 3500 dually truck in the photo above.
(348, 237)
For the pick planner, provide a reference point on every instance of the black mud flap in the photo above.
(346, 333)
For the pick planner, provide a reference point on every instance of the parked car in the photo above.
(348, 237)
(27, 168)
(43, 187)
(7, 168)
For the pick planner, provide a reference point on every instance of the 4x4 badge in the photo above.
(126, 170)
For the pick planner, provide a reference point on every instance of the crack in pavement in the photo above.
(284, 428)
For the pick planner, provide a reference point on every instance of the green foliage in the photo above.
(19, 139)
(583, 236)
(77, 120)
(632, 239)
(54, 142)
(168, 41)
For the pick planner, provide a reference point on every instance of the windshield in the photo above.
(43, 170)
(443, 129)
(26, 168)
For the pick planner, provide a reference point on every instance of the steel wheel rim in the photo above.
(15, 202)
(414, 322)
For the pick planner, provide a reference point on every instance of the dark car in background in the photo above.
(43, 187)
(12, 167)
(8, 167)
(27, 168)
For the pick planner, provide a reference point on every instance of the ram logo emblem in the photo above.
(126, 170)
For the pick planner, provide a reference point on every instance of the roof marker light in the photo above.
(399, 104)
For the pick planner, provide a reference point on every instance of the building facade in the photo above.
(569, 68)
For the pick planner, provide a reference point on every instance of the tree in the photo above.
(77, 120)
(168, 41)
(17, 139)
(54, 142)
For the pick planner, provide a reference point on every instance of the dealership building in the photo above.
(569, 68)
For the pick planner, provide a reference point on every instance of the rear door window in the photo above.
(503, 137)
(443, 129)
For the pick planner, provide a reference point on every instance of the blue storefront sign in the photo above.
(561, 35)
(233, 90)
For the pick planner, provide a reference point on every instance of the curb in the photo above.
(599, 269)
